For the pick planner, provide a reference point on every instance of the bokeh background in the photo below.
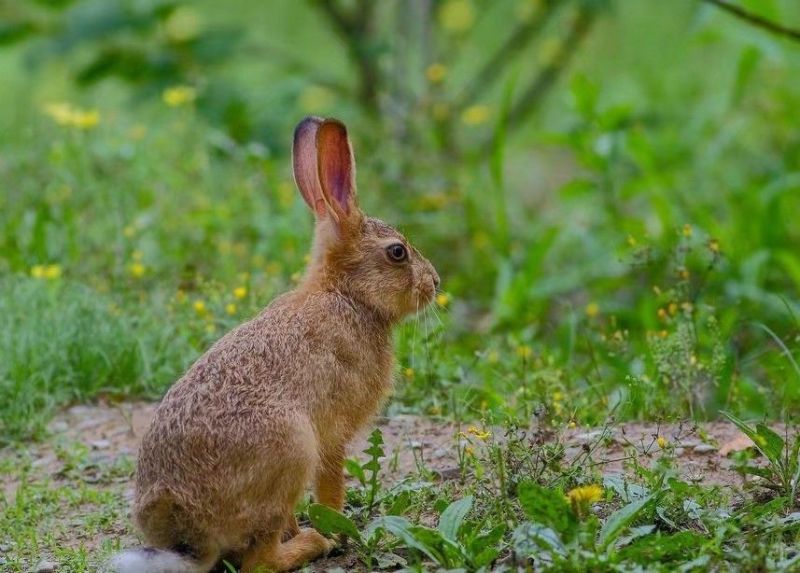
(610, 190)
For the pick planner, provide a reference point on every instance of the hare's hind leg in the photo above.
(272, 555)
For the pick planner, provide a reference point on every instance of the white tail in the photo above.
(150, 560)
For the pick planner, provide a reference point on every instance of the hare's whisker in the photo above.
(414, 337)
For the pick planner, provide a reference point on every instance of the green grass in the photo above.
(62, 343)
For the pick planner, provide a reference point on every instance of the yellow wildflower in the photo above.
(524, 351)
(85, 119)
(585, 494)
(457, 15)
(47, 272)
(177, 96)
(662, 442)
(137, 269)
(592, 309)
(408, 373)
(60, 112)
(683, 274)
(52, 272)
(572, 425)
(240, 292)
(200, 307)
(69, 116)
(230, 308)
(436, 73)
(632, 241)
(713, 246)
(673, 308)
(662, 314)
(687, 230)
(482, 435)
(442, 299)
(475, 114)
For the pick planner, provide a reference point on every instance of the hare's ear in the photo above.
(304, 163)
(337, 169)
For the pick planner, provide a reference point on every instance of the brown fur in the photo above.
(270, 408)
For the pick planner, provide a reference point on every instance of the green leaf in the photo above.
(773, 444)
(388, 523)
(484, 548)
(663, 548)
(621, 519)
(407, 533)
(453, 517)
(354, 469)
(548, 507)
(767, 442)
(492, 537)
(446, 550)
(330, 522)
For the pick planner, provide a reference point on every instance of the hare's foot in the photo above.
(272, 555)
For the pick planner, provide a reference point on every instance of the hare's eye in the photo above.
(397, 252)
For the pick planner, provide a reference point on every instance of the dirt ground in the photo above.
(112, 432)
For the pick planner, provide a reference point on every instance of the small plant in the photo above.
(783, 470)
(560, 527)
(368, 473)
(453, 543)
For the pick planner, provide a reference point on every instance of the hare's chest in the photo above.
(357, 387)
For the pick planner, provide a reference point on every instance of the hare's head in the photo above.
(362, 257)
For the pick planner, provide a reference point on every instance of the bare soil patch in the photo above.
(111, 433)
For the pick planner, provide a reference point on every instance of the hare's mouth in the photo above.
(425, 296)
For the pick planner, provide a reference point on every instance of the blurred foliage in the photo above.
(614, 220)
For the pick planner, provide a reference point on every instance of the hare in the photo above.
(270, 408)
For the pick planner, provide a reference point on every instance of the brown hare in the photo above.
(270, 408)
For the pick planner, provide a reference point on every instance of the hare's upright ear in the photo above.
(304, 163)
(337, 169)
